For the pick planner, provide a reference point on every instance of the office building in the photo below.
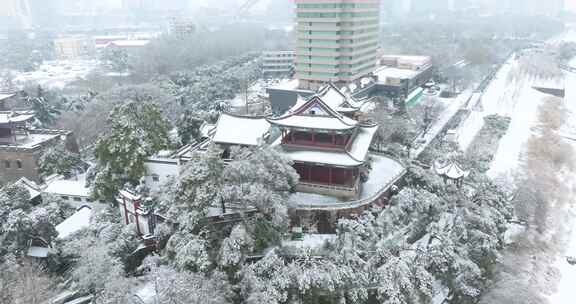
(337, 41)
(277, 63)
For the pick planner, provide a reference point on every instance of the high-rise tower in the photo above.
(337, 40)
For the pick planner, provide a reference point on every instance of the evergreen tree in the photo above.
(137, 131)
(58, 160)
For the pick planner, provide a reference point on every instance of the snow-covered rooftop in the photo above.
(338, 100)
(241, 130)
(412, 59)
(32, 140)
(320, 156)
(15, 117)
(362, 141)
(5, 96)
(450, 169)
(74, 223)
(314, 122)
(68, 188)
(130, 43)
(32, 187)
(396, 73)
(38, 252)
(287, 84)
(314, 113)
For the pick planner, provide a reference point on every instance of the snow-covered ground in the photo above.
(514, 97)
(453, 105)
(511, 95)
(566, 293)
(57, 74)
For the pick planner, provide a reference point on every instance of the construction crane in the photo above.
(245, 7)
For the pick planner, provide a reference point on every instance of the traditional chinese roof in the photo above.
(321, 156)
(8, 117)
(33, 188)
(360, 145)
(338, 100)
(354, 155)
(4, 96)
(450, 169)
(241, 130)
(314, 114)
(75, 188)
(74, 223)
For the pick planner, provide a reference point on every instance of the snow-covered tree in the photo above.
(58, 160)
(117, 59)
(138, 130)
(188, 252)
(95, 268)
(188, 199)
(266, 282)
(24, 282)
(188, 126)
(399, 279)
(260, 178)
(235, 247)
(21, 222)
(167, 285)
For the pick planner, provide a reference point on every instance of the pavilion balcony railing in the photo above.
(308, 143)
(353, 187)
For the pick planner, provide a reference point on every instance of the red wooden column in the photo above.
(330, 175)
(125, 211)
(309, 172)
(136, 207)
(291, 136)
(313, 137)
(333, 138)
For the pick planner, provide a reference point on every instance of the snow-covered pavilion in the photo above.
(328, 147)
(450, 171)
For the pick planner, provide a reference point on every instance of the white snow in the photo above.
(454, 105)
(361, 144)
(327, 157)
(61, 187)
(385, 73)
(57, 74)
(5, 96)
(385, 171)
(248, 131)
(74, 223)
(516, 99)
(315, 122)
(146, 294)
(38, 252)
(130, 43)
(15, 117)
(311, 241)
(32, 187)
(566, 293)
(286, 84)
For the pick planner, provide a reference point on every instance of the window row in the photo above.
(12, 164)
(368, 30)
(337, 15)
(337, 5)
(338, 41)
